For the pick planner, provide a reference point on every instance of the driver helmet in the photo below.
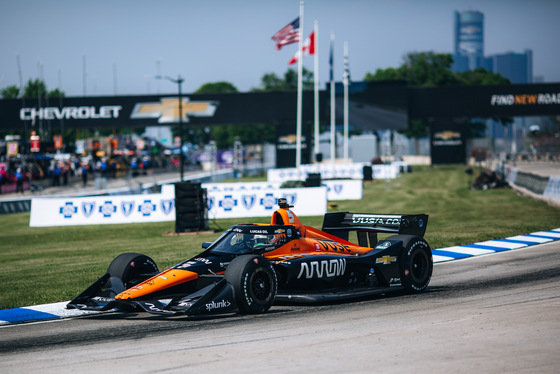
(260, 239)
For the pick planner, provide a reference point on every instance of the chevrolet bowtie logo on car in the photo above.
(167, 109)
(385, 260)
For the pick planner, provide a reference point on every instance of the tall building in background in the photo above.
(517, 67)
(469, 38)
(469, 51)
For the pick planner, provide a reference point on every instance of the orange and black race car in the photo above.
(250, 266)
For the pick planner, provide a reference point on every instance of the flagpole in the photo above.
(316, 76)
(345, 82)
(333, 149)
(300, 89)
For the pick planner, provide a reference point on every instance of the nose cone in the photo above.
(167, 279)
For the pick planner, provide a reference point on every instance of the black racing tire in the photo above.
(254, 283)
(416, 263)
(132, 268)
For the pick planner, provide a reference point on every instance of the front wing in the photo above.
(213, 299)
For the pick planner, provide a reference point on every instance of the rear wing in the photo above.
(341, 223)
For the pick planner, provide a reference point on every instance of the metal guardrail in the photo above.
(15, 206)
(534, 183)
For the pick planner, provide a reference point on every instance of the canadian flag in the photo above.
(308, 48)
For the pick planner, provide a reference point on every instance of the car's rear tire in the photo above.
(132, 268)
(416, 263)
(254, 283)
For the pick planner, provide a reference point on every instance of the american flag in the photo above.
(288, 34)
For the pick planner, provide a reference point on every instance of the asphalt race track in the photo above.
(488, 314)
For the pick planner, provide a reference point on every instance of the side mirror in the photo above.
(206, 244)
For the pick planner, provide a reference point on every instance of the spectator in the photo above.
(134, 167)
(76, 165)
(19, 180)
(1, 178)
(65, 170)
(56, 175)
(104, 168)
(4, 175)
(84, 173)
(113, 168)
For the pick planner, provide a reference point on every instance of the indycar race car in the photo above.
(251, 265)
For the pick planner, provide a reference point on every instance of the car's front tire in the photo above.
(254, 283)
(132, 268)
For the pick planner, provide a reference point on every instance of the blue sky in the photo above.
(124, 41)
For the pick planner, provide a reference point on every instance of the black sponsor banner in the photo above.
(140, 111)
(485, 101)
(286, 145)
(372, 106)
(447, 142)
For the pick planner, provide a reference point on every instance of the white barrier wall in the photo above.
(510, 174)
(258, 199)
(552, 189)
(100, 210)
(329, 171)
(161, 207)
(348, 189)
(240, 186)
(262, 203)
(345, 189)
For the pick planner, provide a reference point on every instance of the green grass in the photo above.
(48, 264)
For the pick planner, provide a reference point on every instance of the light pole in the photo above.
(179, 81)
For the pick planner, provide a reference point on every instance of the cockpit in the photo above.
(246, 239)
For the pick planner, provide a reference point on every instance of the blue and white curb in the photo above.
(58, 310)
(493, 246)
(40, 313)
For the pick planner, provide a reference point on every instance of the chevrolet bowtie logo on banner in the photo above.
(446, 135)
(167, 110)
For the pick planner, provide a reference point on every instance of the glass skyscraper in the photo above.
(469, 38)
(517, 67)
(469, 51)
